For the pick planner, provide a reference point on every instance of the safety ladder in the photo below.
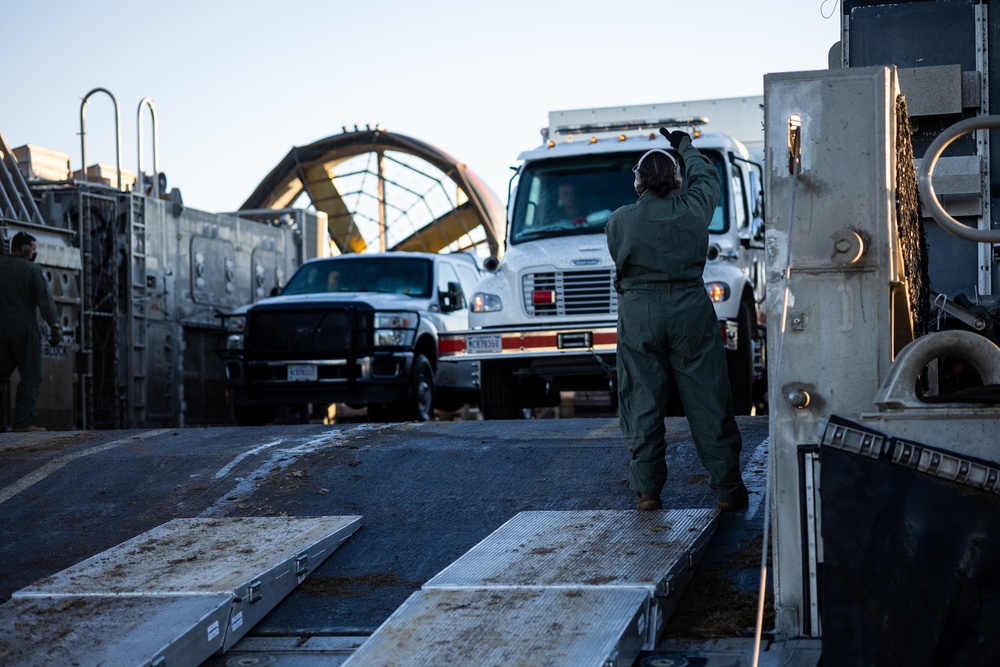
(137, 300)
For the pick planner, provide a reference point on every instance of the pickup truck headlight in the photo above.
(395, 329)
(717, 292)
(486, 303)
(236, 332)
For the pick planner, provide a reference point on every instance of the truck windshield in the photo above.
(577, 195)
(392, 275)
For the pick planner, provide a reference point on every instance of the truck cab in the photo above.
(359, 329)
(545, 319)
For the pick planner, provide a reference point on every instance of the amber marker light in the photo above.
(593, 140)
(621, 137)
(717, 292)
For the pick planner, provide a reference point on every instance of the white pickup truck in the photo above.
(544, 320)
(359, 329)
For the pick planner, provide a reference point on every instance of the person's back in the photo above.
(668, 331)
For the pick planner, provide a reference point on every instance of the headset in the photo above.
(677, 168)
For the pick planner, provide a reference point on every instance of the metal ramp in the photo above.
(173, 595)
(572, 588)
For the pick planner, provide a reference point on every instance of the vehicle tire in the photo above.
(741, 373)
(496, 393)
(418, 402)
(254, 415)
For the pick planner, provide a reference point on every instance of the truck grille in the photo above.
(316, 332)
(576, 293)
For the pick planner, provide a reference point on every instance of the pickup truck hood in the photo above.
(378, 300)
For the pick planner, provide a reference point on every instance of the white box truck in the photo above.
(544, 320)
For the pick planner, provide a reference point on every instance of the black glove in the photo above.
(55, 335)
(674, 137)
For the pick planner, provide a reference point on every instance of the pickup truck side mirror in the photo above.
(454, 299)
(275, 291)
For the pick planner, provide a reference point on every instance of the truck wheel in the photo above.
(496, 399)
(741, 375)
(254, 415)
(418, 405)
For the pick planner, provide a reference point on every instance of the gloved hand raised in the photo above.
(674, 137)
(55, 335)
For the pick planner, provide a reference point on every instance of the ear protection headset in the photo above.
(677, 168)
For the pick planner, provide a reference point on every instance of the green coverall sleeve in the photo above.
(704, 187)
(43, 297)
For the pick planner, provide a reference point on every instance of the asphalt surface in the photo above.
(427, 493)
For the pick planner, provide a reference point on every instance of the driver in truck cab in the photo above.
(667, 326)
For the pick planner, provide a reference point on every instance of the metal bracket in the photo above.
(301, 565)
(947, 466)
(853, 440)
(253, 591)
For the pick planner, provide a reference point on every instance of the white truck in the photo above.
(544, 320)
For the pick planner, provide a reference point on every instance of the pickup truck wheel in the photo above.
(418, 404)
(254, 415)
(741, 375)
(496, 393)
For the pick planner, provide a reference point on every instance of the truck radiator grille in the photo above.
(300, 331)
(570, 293)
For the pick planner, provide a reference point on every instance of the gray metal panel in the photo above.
(587, 548)
(255, 560)
(200, 556)
(111, 631)
(485, 627)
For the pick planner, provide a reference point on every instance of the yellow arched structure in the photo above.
(373, 184)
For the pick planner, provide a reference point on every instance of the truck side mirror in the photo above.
(454, 299)
(757, 230)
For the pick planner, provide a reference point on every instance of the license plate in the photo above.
(483, 344)
(302, 373)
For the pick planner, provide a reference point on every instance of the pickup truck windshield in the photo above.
(392, 275)
(577, 195)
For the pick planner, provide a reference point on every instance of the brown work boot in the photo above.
(738, 502)
(647, 501)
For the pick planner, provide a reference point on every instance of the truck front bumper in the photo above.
(377, 378)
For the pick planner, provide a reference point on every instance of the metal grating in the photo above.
(576, 293)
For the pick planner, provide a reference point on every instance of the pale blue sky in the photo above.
(236, 84)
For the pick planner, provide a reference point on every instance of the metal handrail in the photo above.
(118, 135)
(926, 172)
(156, 141)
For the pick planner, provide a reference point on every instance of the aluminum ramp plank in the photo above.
(490, 627)
(112, 631)
(652, 551)
(256, 561)
(581, 548)
(558, 588)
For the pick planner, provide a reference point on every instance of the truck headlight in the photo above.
(486, 303)
(395, 329)
(235, 331)
(717, 292)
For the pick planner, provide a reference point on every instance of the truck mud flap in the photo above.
(911, 547)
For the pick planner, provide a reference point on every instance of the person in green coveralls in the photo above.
(667, 326)
(24, 292)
